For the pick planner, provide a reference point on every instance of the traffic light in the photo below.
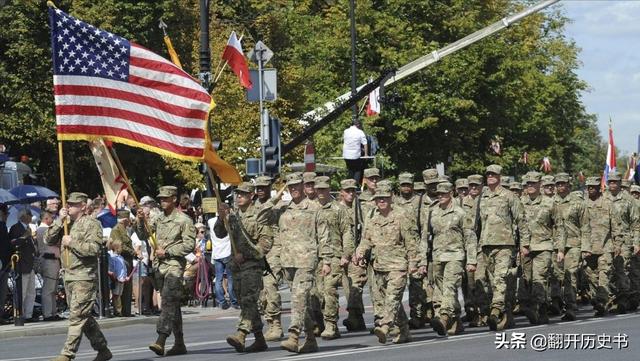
(271, 151)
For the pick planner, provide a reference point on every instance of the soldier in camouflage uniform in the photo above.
(355, 276)
(303, 243)
(175, 238)
(546, 226)
(393, 241)
(270, 300)
(338, 222)
(308, 179)
(634, 263)
(462, 189)
(477, 289)
(80, 250)
(548, 185)
(557, 275)
(625, 232)
(500, 212)
(576, 225)
(407, 199)
(635, 191)
(516, 188)
(419, 188)
(453, 240)
(598, 251)
(251, 234)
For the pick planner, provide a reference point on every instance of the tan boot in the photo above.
(291, 344)
(310, 344)
(61, 358)
(330, 332)
(456, 327)
(404, 336)
(103, 355)
(440, 324)
(178, 346)
(274, 332)
(259, 345)
(237, 340)
(158, 346)
(381, 332)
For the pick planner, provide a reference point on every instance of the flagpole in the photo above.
(63, 198)
(223, 66)
(115, 157)
(212, 174)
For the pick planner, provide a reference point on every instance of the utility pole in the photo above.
(354, 85)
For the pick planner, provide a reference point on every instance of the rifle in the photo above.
(477, 226)
(357, 231)
(429, 239)
(420, 211)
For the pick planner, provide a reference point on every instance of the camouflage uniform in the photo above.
(578, 232)
(547, 228)
(500, 211)
(80, 262)
(175, 233)
(301, 248)
(624, 222)
(395, 248)
(338, 225)
(454, 240)
(252, 237)
(598, 265)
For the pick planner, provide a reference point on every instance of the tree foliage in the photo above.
(519, 86)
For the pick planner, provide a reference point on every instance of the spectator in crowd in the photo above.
(354, 140)
(118, 275)
(22, 239)
(50, 269)
(5, 259)
(53, 205)
(142, 285)
(221, 256)
(185, 207)
(151, 211)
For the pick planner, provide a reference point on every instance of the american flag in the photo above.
(108, 87)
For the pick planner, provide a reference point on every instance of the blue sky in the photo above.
(608, 32)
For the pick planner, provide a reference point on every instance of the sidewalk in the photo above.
(60, 327)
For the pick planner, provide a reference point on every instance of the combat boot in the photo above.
(543, 314)
(274, 332)
(416, 323)
(456, 327)
(178, 346)
(532, 314)
(318, 328)
(158, 346)
(599, 309)
(259, 345)
(381, 332)
(440, 324)
(103, 355)
(494, 319)
(61, 358)
(291, 344)
(330, 332)
(354, 322)
(310, 344)
(555, 308)
(404, 336)
(569, 315)
(237, 340)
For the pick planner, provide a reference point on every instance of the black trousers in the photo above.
(355, 168)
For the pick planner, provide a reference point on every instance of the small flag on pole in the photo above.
(234, 56)
(610, 161)
(373, 104)
(546, 165)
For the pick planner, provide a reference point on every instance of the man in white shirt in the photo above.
(220, 257)
(353, 141)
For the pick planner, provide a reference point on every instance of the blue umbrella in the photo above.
(6, 196)
(14, 210)
(29, 193)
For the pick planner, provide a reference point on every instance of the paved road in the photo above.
(205, 341)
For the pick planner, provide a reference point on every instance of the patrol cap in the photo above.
(593, 181)
(348, 184)
(531, 177)
(444, 187)
(245, 187)
(563, 178)
(77, 197)
(626, 183)
(405, 178)
(505, 180)
(614, 176)
(494, 168)
(419, 186)
(475, 179)
(263, 181)
(293, 178)
(515, 186)
(383, 191)
(430, 176)
(635, 188)
(462, 183)
(167, 191)
(548, 180)
(123, 214)
(322, 182)
(309, 177)
(444, 178)
(371, 172)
